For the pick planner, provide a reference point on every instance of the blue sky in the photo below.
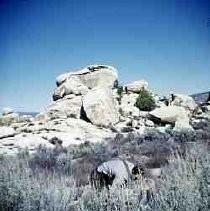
(166, 42)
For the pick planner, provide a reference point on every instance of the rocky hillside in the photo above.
(89, 105)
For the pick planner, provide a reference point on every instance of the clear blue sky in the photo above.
(166, 42)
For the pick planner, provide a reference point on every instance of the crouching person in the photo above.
(114, 173)
(118, 173)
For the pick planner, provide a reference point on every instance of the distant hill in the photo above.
(201, 98)
(33, 114)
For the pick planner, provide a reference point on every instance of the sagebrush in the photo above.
(39, 183)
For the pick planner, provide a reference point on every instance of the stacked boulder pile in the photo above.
(9, 116)
(87, 95)
(177, 113)
(90, 106)
(82, 111)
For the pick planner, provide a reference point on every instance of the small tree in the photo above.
(120, 92)
(145, 101)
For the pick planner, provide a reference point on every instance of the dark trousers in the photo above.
(99, 180)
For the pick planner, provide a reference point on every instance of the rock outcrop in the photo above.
(6, 132)
(175, 115)
(88, 107)
(6, 111)
(69, 106)
(184, 101)
(11, 145)
(100, 107)
(136, 86)
(83, 101)
(127, 105)
(81, 81)
(68, 131)
(74, 89)
(8, 116)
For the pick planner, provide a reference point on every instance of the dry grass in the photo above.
(36, 183)
(57, 179)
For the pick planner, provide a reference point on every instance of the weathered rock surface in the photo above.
(184, 101)
(136, 86)
(11, 145)
(73, 85)
(169, 114)
(175, 115)
(100, 107)
(25, 118)
(79, 82)
(149, 123)
(9, 118)
(207, 108)
(6, 111)
(127, 105)
(6, 132)
(183, 124)
(86, 108)
(69, 106)
(68, 131)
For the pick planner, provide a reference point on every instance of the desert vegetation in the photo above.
(145, 101)
(57, 179)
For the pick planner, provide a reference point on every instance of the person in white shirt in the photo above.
(118, 173)
(115, 173)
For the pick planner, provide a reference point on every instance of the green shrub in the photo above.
(120, 92)
(145, 101)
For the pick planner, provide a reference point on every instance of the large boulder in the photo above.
(25, 118)
(8, 119)
(184, 101)
(6, 111)
(12, 145)
(69, 106)
(72, 85)
(136, 86)
(66, 132)
(175, 115)
(183, 124)
(207, 108)
(100, 107)
(6, 132)
(127, 107)
(79, 82)
(74, 132)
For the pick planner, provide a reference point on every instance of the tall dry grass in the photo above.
(45, 181)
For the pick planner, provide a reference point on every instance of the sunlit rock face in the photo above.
(89, 106)
(8, 116)
(80, 82)
(6, 132)
(127, 105)
(86, 94)
(175, 115)
(6, 111)
(69, 106)
(101, 107)
(184, 101)
(136, 86)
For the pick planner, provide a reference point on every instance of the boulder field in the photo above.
(88, 107)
